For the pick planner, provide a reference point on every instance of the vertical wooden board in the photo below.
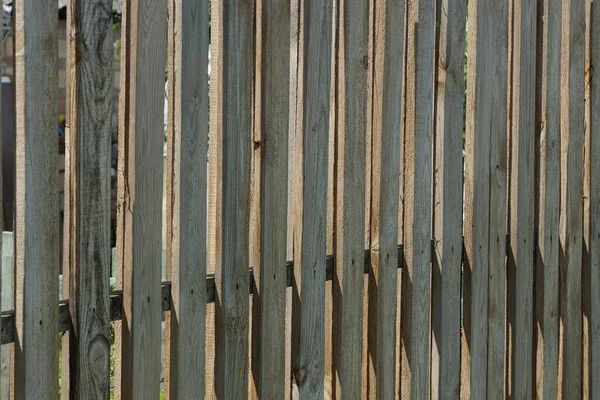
(595, 205)
(350, 201)
(476, 203)
(35, 369)
(522, 193)
(388, 74)
(232, 239)
(311, 215)
(6, 303)
(571, 219)
(447, 209)
(89, 197)
(140, 231)
(416, 295)
(186, 197)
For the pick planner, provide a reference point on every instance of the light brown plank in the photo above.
(447, 210)
(311, 198)
(35, 368)
(416, 294)
(186, 198)
(139, 230)
(595, 205)
(350, 200)
(232, 240)
(388, 74)
(571, 219)
(522, 193)
(549, 201)
(89, 198)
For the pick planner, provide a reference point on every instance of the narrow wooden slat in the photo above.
(595, 205)
(522, 193)
(139, 230)
(310, 214)
(273, 121)
(6, 303)
(35, 369)
(186, 198)
(447, 211)
(416, 294)
(388, 67)
(350, 200)
(89, 198)
(232, 240)
(571, 218)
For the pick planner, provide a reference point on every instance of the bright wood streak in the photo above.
(274, 78)
(350, 208)
(571, 218)
(310, 216)
(522, 192)
(447, 211)
(186, 196)
(231, 365)
(35, 369)
(139, 230)
(416, 282)
(595, 204)
(549, 200)
(89, 250)
(388, 71)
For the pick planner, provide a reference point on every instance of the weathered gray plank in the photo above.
(89, 197)
(231, 364)
(35, 369)
(447, 210)
(416, 282)
(186, 198)
(388, 74)
(310, 214)
(139, 233)
(350, 198)
(522, 193)
(571, 218)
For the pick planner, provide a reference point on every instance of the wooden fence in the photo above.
(326, 133)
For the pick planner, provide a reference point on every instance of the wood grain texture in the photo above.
(139, 230)
(274, 80)
(388, 74)
(232, 240)
(571, 219)
(35, 368)
(310, 217)
(186, 198)
(418, 144)
(350, 200)
(447, 209)
(595, 204)
(89, 198)
(549, 199)
(522, 193)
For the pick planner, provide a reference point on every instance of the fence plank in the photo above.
(231, 365)
(522, 192)
(595, 204)
(416, 295)
(350, 201)
(89, 198)
(186, 198)
(388, 74)
(447, 211)
(139, 229)
(547, 268)
(571, 220)
(35, 371)
(311, 195)
(273, 125)
(6, 302)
